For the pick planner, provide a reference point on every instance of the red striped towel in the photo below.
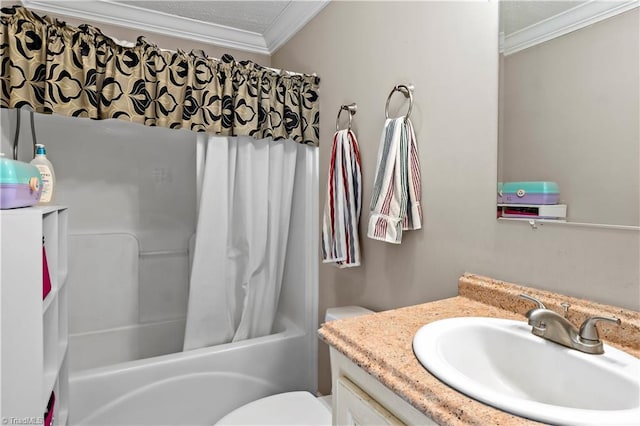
(340, 240)
(395, 203)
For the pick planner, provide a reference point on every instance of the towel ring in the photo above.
(351, 108)
(407, 91)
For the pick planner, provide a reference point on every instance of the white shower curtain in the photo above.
(245, 197)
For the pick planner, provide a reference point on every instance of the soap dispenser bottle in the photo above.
(46, 172)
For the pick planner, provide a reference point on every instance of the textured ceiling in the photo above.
(518, 14)
(253, 26)
(254, 16)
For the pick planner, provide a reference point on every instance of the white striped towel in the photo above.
(395, 203)
(340, 240)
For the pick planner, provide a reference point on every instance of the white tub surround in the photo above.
(197, 387)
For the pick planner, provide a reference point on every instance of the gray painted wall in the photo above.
(449, 50)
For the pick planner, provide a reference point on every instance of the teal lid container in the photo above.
(530, 192)
(538, 187)
(17, 172)
(20, 184)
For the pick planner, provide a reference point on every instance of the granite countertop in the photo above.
(381, 343)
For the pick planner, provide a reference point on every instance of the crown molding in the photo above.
(125, 15)
(295, 16)
(564, 23)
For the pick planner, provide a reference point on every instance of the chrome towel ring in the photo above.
(351, 108)
(407, 91)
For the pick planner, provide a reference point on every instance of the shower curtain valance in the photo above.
(52, 67)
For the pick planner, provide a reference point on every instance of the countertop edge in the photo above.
(391, 361)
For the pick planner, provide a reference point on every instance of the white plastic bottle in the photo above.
(46, 171)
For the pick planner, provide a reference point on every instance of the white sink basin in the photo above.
(500, 363)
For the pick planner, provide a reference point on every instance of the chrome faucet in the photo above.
(552, 326)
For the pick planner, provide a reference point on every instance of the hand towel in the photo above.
(395, 203)
(340, 240)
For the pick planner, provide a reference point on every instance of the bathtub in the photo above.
(197, 387)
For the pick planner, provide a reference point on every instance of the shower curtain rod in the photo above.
(126, 43)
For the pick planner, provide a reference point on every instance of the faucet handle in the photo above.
(588, 330)
(533, 299)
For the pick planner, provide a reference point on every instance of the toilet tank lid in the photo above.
(345, 312)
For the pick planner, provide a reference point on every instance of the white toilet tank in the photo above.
(345, 312)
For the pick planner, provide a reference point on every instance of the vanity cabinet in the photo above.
(360, 399)
(33, 330)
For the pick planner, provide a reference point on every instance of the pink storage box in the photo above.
(46, 278)
(48, 415)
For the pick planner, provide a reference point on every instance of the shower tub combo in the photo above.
(127, 287)
(137, 374)
(196, 387)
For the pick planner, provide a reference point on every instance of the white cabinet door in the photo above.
(359, 398)
(355, 407)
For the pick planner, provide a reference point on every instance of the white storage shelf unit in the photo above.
(33, 332)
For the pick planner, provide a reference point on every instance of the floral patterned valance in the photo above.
(52, 67)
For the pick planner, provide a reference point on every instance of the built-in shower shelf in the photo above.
(33, 331)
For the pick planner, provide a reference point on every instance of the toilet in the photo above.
(291, 408)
